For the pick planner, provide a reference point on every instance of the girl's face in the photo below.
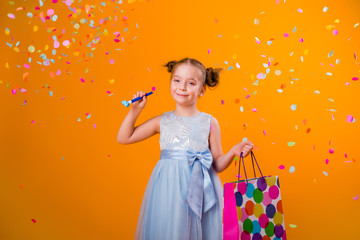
(186, 85)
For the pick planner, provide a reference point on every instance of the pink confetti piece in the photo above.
(346, 155)
(331, 151)
(54, 1)
(335, 32)
(66, 43)
(94, 125)
(355, 79)
(56, 44)
(222, 102)
(356, 198)
(50, 12)
(281, 167)
(301, 40)
(26, 65)
(13, 91)
(82, 80)
(209, 50)
(286, 35)
(254, 110)
(111, 61)
(32, 121)
(153, 88)
(211, 127)
(300, 10)
(327, 161)
(264, 132)
(350, 118)
(10, 15)
(33, 220)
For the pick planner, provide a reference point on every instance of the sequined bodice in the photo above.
(182, 133)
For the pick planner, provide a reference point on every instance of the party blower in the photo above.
(127, 103)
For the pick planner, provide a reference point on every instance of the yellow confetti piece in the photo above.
(234, 56)
(111, 81)
(16, 49)
(7, 31)
(46, 47)
(7, 65)
(306, 51)
(31, 48)
(77, 53)
(293, 225)
(329, 27)
(337, 21)
(35, 28)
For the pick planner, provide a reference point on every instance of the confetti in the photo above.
(281, 167)
(286, 35)
(33, 220)
(10, 15)
(335, 32)
(292, 169)
(331, 151)
(325, 173)
(290, 144)
(327, 161)
(325, 9)
(355, 79)
(292, 225)
(293, 107)
(356, 198)
(350, 118)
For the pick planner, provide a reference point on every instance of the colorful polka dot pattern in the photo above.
(260, 211)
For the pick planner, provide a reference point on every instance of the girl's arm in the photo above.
(222, 161)
(128, 133)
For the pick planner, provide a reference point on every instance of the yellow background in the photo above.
(64, 176)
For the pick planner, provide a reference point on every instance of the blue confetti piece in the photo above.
(293, 107)
(244, 139)
(325, 9)
(88, 116)
(330, 54)
(51, 93)
(230, 68)
(325, 173)
(292, 169)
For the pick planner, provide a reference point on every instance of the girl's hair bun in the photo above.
(212, 76)
(170, 65)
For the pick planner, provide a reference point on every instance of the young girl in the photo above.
(183, 198)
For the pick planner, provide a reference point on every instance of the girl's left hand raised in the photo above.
(244, 147)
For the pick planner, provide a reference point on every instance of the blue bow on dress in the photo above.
(201, 194)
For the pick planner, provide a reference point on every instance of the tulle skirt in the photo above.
(164, 214)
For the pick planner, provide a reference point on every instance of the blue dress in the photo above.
(183, 198)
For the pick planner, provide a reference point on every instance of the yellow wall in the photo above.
(64, 176)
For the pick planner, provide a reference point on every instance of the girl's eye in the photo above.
(192, 83)
(175, 80)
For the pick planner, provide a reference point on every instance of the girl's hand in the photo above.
(243, 147)
(139, 105)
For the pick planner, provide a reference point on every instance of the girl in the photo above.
(183, 198)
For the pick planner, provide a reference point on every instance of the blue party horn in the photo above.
(127, 103)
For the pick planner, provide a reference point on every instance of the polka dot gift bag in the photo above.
(253, 208)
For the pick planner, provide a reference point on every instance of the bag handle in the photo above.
(252, 160)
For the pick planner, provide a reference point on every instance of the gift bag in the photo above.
(253, 207)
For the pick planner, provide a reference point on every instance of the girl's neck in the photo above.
(186, 112)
